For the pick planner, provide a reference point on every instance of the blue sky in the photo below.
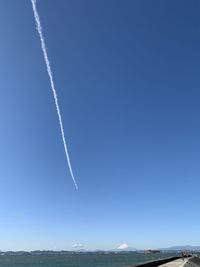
(127, 78)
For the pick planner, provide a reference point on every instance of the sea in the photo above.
(81, 259)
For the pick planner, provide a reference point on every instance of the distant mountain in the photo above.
(178, 248)
(125, 247)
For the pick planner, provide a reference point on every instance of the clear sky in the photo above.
(127, 75)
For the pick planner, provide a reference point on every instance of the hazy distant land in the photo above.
(128, 250)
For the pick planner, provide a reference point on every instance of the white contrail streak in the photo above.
(44, 50)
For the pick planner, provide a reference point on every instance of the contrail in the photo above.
(47, 62)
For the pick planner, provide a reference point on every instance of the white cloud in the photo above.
(123, 246)
(77, 246)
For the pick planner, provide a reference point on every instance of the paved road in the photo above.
(176, 263)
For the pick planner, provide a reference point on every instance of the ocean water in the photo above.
(80, 260)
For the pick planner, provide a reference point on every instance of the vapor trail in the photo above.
(48, 66)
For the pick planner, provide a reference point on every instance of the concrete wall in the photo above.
(193, 262)
(158, 262)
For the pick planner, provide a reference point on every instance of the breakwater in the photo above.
(157, 262)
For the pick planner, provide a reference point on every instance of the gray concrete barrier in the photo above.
(156, 262)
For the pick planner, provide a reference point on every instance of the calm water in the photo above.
(79, 260)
